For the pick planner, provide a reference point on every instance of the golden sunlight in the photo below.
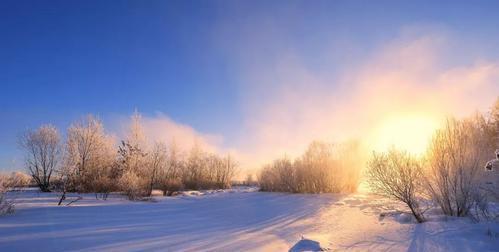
(407, 132)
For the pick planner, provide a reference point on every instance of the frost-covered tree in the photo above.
(42, 154)
(397, 175)
(132, 185)
(133, 160)
(169, 178)
(133, 149)
(456, 158)
(89, 157)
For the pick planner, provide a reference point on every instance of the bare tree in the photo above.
(222, 170)
(194, 169)
(397, 175)
(170, 176)
(156, 163)
(456, 157)
(280, 176)
(42, 154)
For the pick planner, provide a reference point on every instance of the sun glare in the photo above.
(409, 133)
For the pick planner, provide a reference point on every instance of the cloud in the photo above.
(160, 128)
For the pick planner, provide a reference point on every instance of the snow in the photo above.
(306, 245)
(240, 219)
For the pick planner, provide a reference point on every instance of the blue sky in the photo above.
(200, 62)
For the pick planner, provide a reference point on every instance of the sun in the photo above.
(411, 133)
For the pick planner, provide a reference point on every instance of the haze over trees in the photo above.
(322, 168)
(451, 174)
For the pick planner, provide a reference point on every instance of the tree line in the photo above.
(451, 174)
(88, 160)
(323, 168)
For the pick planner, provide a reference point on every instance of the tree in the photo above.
(397, 175)
(133, 161)
(221, 171)
(156, 163)
(89, 156)
(170, 176)
(456, 157)
(133, 150)
(42, 154)
(6, 205)
(280, 176)
(194, 169)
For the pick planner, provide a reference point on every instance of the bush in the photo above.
(456, 157)
(397, 175)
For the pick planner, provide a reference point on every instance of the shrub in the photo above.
(133, 186)
(397, 175)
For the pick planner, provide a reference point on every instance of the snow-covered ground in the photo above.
(233, 220)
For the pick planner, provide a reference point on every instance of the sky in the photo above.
(255, 78)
